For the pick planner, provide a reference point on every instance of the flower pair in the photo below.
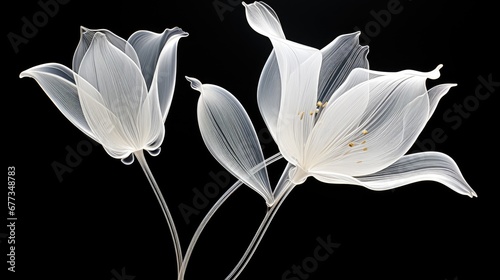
(331, 117)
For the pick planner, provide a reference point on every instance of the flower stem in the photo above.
(170, 221)
(214, 209)
(202, 225)
(271, 212)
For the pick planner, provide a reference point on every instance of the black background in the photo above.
(102, 219)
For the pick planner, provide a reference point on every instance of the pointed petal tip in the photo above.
(24, 74)
(28, 72)
(472, 194)
(244, 4)
(195, 83)
(356, 35)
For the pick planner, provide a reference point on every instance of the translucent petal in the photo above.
(426, 166)
(435, 95)
(105, 125)
(330, 135)
(360, 75)
(229, 135)
(299, 68)
(86, 36)
(269, 94)
(340, 57)
(58, 83)
(299, 77)
(158, 56)
(397, 111)
(119, 81)
(149, 47)
(263, 19)
(150, 124)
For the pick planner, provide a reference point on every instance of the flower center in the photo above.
(298, 175)
(319, 107)
(356, 146)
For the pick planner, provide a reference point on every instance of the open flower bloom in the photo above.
(118, 92)
(338, 122)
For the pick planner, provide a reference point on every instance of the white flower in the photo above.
(119, 92)
(343, 124)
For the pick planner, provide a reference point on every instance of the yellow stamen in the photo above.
(319, 104)
(365, 149)
(351, 144)
(364, 131)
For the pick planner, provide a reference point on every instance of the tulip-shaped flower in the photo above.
(118, 93)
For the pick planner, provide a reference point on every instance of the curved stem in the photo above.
(170, 221)
(252, 247)
(214, 209)
(202, 225)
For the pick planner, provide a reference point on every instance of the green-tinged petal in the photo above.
(230, 136)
